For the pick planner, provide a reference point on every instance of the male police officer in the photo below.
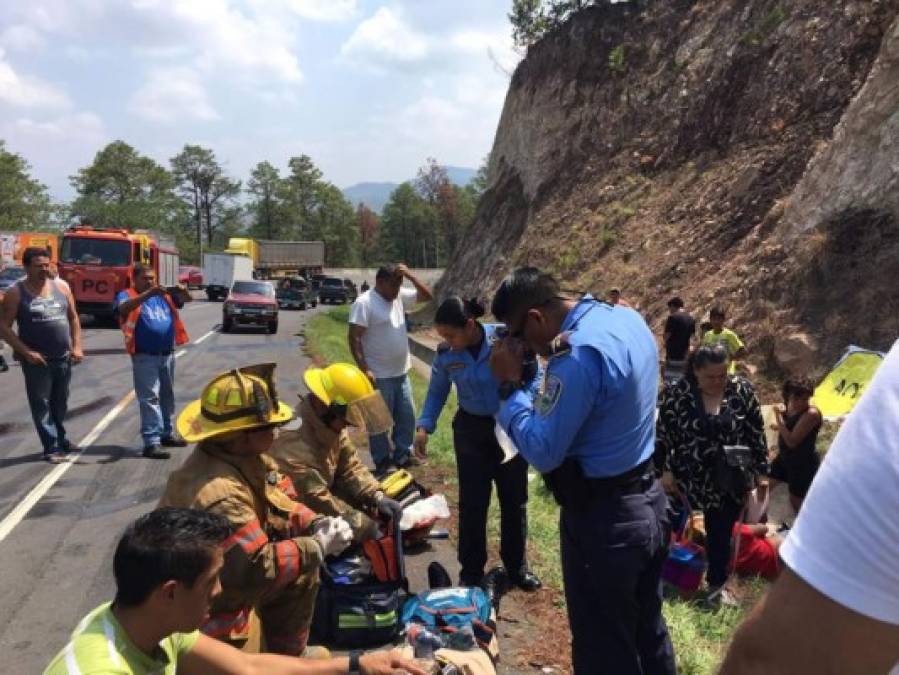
(591, 432)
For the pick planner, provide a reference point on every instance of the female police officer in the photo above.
(591, 431)
(463, 359)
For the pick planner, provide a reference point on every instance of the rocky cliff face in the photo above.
(727, 151)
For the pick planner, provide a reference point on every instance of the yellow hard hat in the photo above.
(243, 398)
(349, 394)
(339, 383)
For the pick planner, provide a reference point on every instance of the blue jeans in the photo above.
(154, 386)
(47, 388)
(397, 393)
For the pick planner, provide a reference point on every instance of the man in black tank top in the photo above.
(47, 344)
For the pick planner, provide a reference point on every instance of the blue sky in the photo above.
(368, 89)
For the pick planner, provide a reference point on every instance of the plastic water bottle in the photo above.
(424, 643)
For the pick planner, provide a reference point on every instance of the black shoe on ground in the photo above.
(495, 583)
(4, 366)
(526, 581)
(173, 441)
(438, 577)
(155, 452)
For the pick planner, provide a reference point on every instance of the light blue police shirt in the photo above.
(476, 387)
(598, 396)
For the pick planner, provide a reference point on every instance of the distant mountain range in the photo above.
(375, 195)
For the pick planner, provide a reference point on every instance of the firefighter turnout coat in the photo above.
(327, 472)
(270, 567)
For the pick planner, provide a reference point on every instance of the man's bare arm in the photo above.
(129, 305)
(74, 326)
(354, 337)
(8, 313)
(424, 293)
(211, 657)
(795, 629)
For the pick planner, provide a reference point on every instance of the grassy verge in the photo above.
(699, 636)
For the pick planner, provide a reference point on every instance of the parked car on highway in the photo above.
(250, 303)
(190, 276)
(295, 293)
(333, 290)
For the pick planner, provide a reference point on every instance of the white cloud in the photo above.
(498, 47)
(322, 10)
(249, 39)
(28, 92)
(172, 94)
(56, 147)
(230, 40)
(22, 38)
(385, 38)
(83, 125)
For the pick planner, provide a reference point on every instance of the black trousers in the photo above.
(719, 528)
(612, 557)
(478, 458)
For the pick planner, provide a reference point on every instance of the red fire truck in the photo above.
(98, 263)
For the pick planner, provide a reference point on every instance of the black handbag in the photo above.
(731, 465)
(734, 474)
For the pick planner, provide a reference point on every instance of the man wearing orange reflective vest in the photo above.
(277, 544)
(148, 316)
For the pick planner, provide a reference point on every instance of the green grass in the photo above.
(699, 636)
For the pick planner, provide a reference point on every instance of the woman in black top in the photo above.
(798, 424)
(698, 415)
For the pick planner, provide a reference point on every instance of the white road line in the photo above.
(17, 514)
(212, 332)
(38, 491)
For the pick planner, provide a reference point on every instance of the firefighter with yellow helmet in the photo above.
(277, 544)
(320, 457)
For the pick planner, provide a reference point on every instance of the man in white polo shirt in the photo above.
(378, 342)
(835, 609)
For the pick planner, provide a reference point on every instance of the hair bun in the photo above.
(475, 307)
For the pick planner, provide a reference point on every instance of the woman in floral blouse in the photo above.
(698, 415)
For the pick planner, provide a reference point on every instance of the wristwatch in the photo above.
(355, 668)
(507, 388)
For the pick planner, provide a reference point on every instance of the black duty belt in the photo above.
(629, 479)
(168, 353)
(572, 489)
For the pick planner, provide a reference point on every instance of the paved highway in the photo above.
(59, 525)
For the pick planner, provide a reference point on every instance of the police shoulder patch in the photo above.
(549, 395)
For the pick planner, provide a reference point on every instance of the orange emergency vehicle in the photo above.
(98, 263)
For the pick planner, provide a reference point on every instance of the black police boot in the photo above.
(526, 581)
(438, 577)
(495, 583)
(3, 365)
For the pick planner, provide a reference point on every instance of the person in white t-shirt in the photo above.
(380, 346)
(835, 609)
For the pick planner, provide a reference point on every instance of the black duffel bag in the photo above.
(364, 614)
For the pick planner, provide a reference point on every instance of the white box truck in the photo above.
(220, 270)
